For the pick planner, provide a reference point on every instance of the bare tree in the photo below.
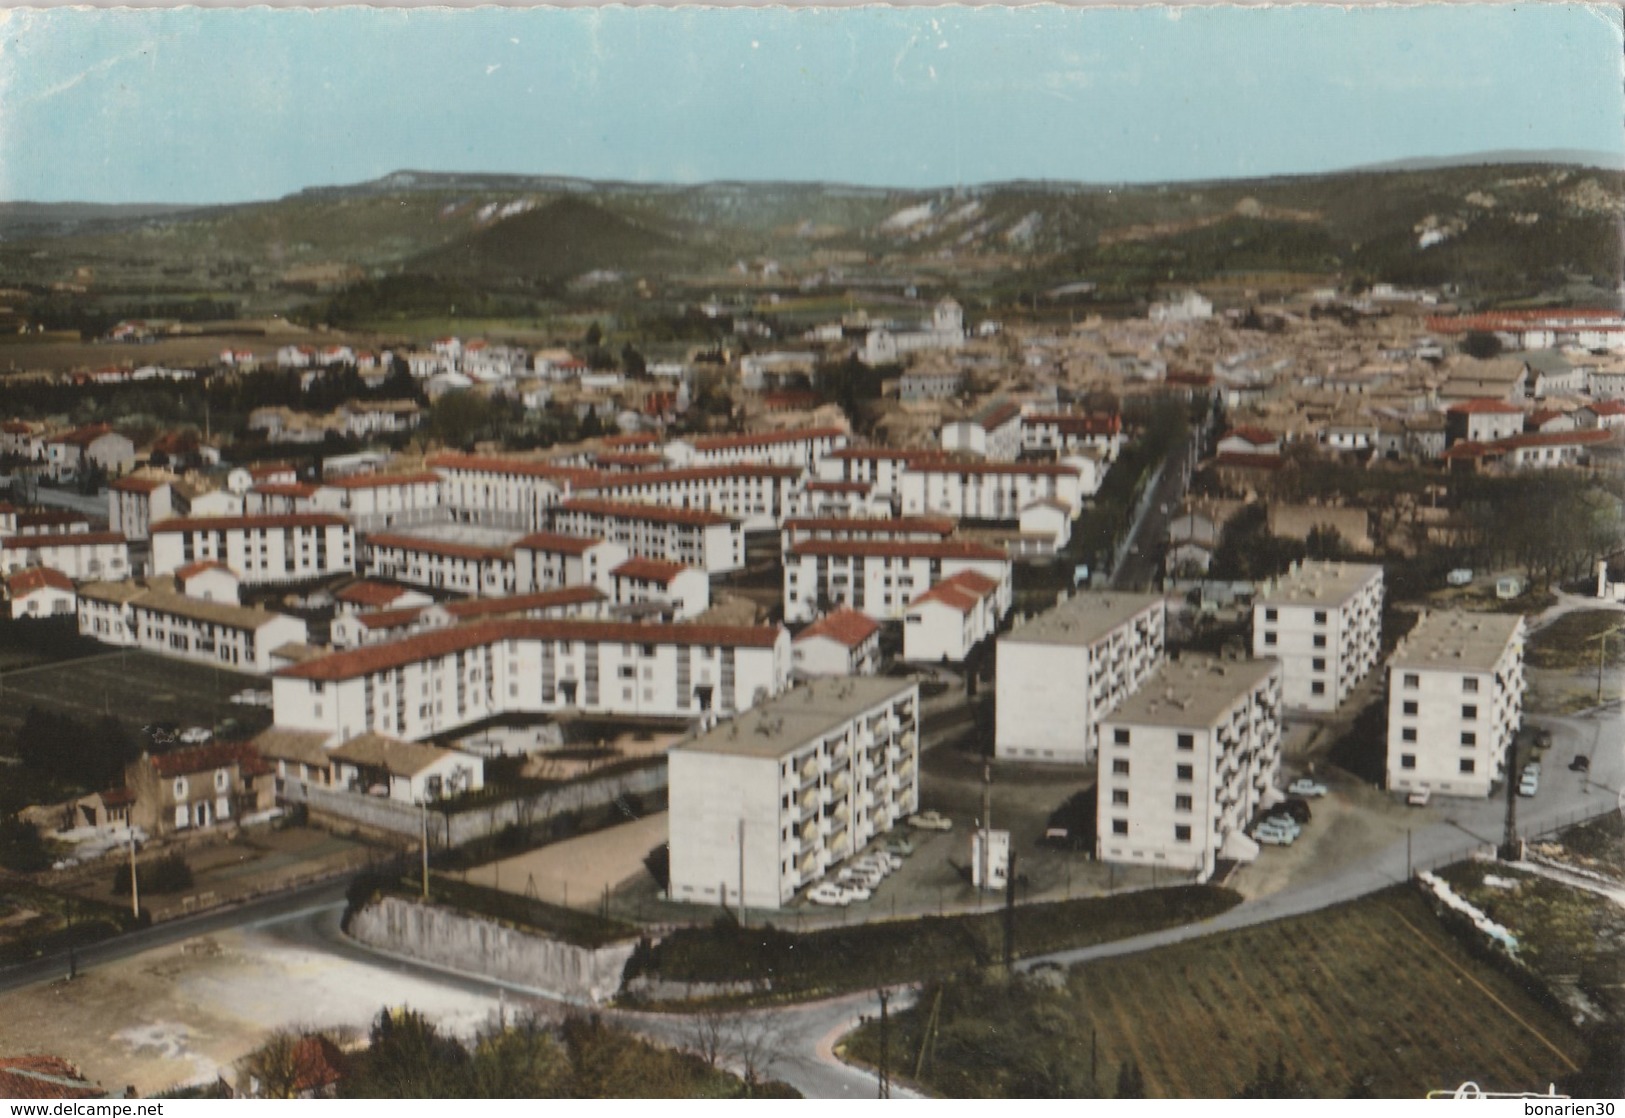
(708, 1035)
(272, 1069)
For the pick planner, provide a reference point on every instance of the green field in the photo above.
(1372, 996)
(136, 687)
(1575, 640)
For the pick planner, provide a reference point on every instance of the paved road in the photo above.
(1140, 563)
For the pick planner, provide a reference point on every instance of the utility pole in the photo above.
(1010, 912)
(135, 886)
(885, 1047)
(1509, 834)
(425, 844)
(741, 872)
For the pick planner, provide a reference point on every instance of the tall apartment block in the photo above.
(1455, 700)
(1187, 760)
(1063, 671)
(766, 804)
(1324, 622)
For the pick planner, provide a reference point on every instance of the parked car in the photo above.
(1543, 738)
(1274, 838)
(1419, 799)
(1529, 785)
(865, 876)
(1279, 818)
(1303, 786)
(856, 894)
(931, 821)
(1295, 808)
(883, 856)
(1580, 764)
(197, 735)
(871, 865)
(247, 697)
(828, 893)
(900, 847)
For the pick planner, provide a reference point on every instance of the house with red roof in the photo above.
(1550, 420)
(993, 432)
(45, 1077)
(843, 642)
(1068, 432)
(373, 502)
(950, 619)
(41, 592)
(682, 592)
(264, 550)
(1249, 440)
(209, 580)
(1481, 421)
(544, 560)
(315, 1068)
(1602, 415)
(365, 594)
(199, 786)
(695, 537)
(68, 454)
(479, 570)
(882, 577)
(79, 555)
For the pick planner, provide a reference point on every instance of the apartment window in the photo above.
(1469, 738)
(1407, 760)
(1317, 688)
(1182, 803)
(1119, 826)
(1269, 637)
(1271, 614)
(1120, 767)
(1320, 640)
(1410, 706)
(1468, 765)
(1412, 681)
(1318, 663)
(1320, 617)
(1182, 833)
(1469, 686)
(1187, 742)
(1184, 772)
(1408, 734)
(1469, 713)
(1120, 797)
(1120, 737)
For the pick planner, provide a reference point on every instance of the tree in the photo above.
(458, 418)
(21, 848)
(595, 335)
(408, 1058)
(1481, 344)
(632, 362)
(522, 1061)
(273, 1067)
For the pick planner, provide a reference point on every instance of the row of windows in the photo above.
(1469, 711)
(1121, 736)
(1466, 766)
(1469, 684)
(1182, 831)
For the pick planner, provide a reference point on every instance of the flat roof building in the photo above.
(767, 803)
(1324, 622)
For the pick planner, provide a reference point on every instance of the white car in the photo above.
(197, 735)
(870, 866)
(856, 893)
(860, 876)
(1274, 838)
(931, 821)
(1530, 784)
(1305, 787)
(885, 858)
(828, 894)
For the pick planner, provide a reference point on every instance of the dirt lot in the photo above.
(577, 871)
(137, 687)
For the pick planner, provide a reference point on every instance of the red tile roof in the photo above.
(251, 523)
(820, 486)
(357, 662)
(62, 539)
(285, 489)
(205, 758)
(1257, 436)
(882, 526)
(1250, 461)
(1022, 469)
(847, 627)
(37, 578)
(899, 549)
(370, 594)
(82, 436)
(634, 510)
(522, 467)
(1465, 450)
(768, 438)
(1540, 418)
(1607, 407)
(450, 548)
(1069, 423)
(193, 569)
(44, 1077)
(991, 418)
(649, 570)
(557, 542)
(139, 484)
(963, 591)
(611, 482)
(383, 481)
(318, 1064)
(1484, 407)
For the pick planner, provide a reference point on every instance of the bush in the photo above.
(169, 874)
(21, 848)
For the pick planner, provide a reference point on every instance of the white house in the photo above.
(1187, 761)
(263, 550)
(364, 594)
(1455, 702)
(1603, 414)
(79, 555)
(996, 491)
(686, 591)
(993, 433)
(1063, 671)
(41, 592)
(1324, 622)
(136, 500)
(1248, 440)
(842, 642)
(548, 559)
(880, 467)
(209, 580)
(70, 453)
(220, 633)
(767, 803)
(375, 501)
(406, 772)
(446, 679)
(951, 618)
(881, 577)
(1069, 432)
(501, 491)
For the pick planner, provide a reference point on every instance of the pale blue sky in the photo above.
(206, 105)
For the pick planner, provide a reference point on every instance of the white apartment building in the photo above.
(135, 501)
(881, 467)
(993, 433)
(842, 642)
(1060, 673)
(543, 560)
(694, 537)
(1455, 701)
(951, 618)
(684, 591)
(472, 569)
(351, 630)
(1324, 622)
(263, 550)
(841, 498)
(440, 681)
(881, 577)
(1071, 432)
(1187, 761)
(502, 492)
(760, 497)
(79, 555)
(765, 804)
(169, 624)
(374, 501)
(995, 490)
(802, 448)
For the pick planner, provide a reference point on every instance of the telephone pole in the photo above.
(885, 1047)
(135, 886)
(425, 845)
(1010, 912)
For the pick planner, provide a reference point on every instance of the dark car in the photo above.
(1294, 806)
(1580, 764)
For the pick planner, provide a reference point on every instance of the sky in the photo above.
(220, 105)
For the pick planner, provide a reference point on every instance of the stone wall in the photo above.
(478, 945)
